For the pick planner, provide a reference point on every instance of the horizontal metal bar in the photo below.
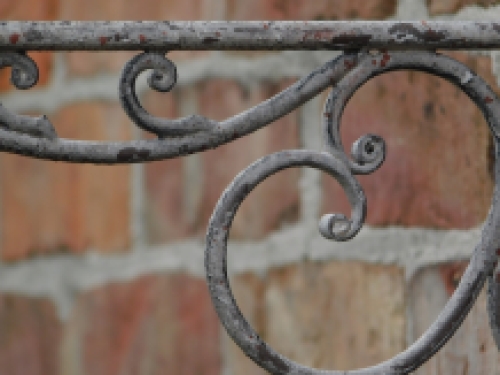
(248, 35)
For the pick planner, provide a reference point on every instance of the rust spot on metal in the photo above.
(142, 39)
(385, 59)
(266, 26)
(14, 38)
(374, 62)
(451, 275)
(103, 40)
(497, 278)
(498, 252)
(265, 355)
(323, 34)
(488, 100)
(349, 64)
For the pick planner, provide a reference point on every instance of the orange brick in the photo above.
(51, 207)
(452, 6)
(309, 10)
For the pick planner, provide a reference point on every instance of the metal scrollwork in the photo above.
(405, 45)
(163, 78)
(368, 154)
(24, 76)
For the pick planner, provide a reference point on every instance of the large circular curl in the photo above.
(483, 259)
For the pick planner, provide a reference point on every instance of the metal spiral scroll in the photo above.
(367, 155)
(37, 138)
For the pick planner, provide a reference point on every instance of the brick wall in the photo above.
(101, 268)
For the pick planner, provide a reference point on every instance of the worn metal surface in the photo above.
(370, 49)
(186, 136)
(246, 35)
(368, 153)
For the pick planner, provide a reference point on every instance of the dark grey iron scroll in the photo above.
(370, 49)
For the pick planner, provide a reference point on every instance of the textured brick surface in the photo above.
(153, 325)
(53, 207)
(31, 334)
(26, 10)
(309, 10)
(471, 350)
(451, 6)
(437, 170)
(339, 315)
(182, 193)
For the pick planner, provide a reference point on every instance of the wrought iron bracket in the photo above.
(369, 49)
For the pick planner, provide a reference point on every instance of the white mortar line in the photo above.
(60, 277)
(411, 10)
(311, 139)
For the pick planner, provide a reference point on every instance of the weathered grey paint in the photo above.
(337, 227)
(247, 35)
(399, 46)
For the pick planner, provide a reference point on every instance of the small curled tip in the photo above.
(163, 78)
(336, 227)
(368, 153)
(24, 76)
(24, 70)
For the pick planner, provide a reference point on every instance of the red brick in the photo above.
(437, 171)
(155, 325)
(472, 349)
(452, 6)
(50, 207)
(31, 335)
(309, 10)
(26, 10)
(274, 202)
(88, 63)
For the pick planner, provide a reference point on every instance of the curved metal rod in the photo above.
(163, 79)
(369, 151)
(24, 76)
(202, 136)
(481, 265)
